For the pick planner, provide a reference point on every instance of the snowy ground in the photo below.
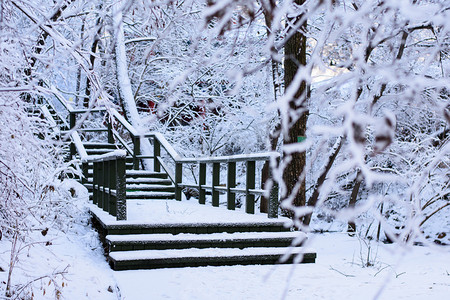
(415, 273)
(71, 265)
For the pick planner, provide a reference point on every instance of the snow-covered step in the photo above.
(89, 145)
(150, 187)
(145, 174)
(152, 259)
(98, 151)
(149, 195)
(111, 227)
(158, 181)
(214, 240)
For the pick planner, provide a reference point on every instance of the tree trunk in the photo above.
(275, 134)
(295, 57)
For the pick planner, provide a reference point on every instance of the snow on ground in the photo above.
(417, 272)
(171, 211)
(420, 273)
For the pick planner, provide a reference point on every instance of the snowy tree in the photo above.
(386, 66)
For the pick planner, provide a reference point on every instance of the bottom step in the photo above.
(154, 259)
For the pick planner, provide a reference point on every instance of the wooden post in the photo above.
(273, 200)
(136, 151)
(201, 181)
(100, 184)
(72, 120)
(105, 198)
(178, 180)
(73, 150)
(110, 133)
(112, 186)
(85, 171)
(215, 183)
(231, 183)
(72, 123)
(121, 197)
(95, 183)
(250, 184)
(156, 154)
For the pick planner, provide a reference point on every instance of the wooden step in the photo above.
(158, 181)
(98, 151)
(143, 181)
(150, 187)
(215, 240)
(90, 145)
(145, 174)
(120, 228)
(177, 258)
(149, 195)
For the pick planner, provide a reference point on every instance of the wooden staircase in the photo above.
(140, 184)
(149, 245)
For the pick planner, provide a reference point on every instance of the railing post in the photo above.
(156, 154)
(215, 182)
(136, 151)
(95, 182)
(106, 186)
(72, 123)
(178, 180)
(121, 197)
(201, 182)
(231, 183)
(273, 200)
(274, 194)
(100, 184)
(73, 151)
(85, 172)
(110, 133)
(112, 186)
(250, 184)
(104, 183)
(72, 120)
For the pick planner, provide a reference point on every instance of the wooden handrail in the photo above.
(159, 141)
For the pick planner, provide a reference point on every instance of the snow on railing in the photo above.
(158, 140)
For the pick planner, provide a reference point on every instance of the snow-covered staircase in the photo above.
(149, 246)
(141, 184)
(145, 244)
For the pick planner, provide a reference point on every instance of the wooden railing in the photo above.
(172, 163)
(109, 183)
(175, 172)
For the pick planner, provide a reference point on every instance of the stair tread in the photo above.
(223, 236)
(100, 145)
(148, 186)
(147, 180)
(143, 172)
(99, 150)
(147, 193)
(192, 253)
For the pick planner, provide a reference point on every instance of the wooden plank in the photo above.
(231, 183)
(250, 184)
(215, 183)
(201, 183)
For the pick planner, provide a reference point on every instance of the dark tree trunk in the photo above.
(274, 136)
(295, 58)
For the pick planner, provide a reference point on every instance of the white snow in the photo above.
(419, 273)
(340, 272)
(182, 212)
(195, 237)
(206, 252)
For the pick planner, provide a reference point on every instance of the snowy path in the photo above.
(414, 273)
(422, 273)
(171, 211)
